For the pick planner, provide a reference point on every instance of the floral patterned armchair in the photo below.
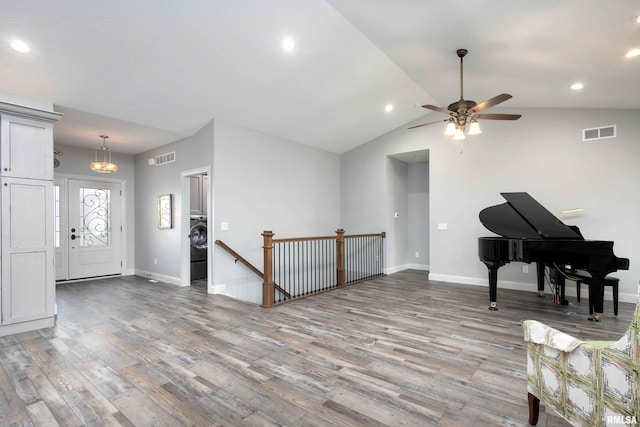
(589, 383)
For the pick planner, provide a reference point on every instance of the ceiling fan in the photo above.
(465, 112)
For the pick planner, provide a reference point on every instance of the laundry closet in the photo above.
(199, 190)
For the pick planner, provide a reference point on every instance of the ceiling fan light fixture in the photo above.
(103, 159)
(474, 128)
(451, 129)
(465, 112)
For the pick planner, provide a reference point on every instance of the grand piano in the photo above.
(530, 233)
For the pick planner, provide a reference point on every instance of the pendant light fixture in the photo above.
(103, 159)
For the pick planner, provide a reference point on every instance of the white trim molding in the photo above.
(160, 277)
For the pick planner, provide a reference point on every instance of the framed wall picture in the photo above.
(165, 214)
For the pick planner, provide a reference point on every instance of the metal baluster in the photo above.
(289, 287)
(276, 270)
(369, 243)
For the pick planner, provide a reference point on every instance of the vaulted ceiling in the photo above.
(149, 72)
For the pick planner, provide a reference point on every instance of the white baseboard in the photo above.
(161, 277)
(391, 270)
(518, 286)
(397, 268)
(218, 289)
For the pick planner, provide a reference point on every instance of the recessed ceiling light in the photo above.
(288, 44)
(577, 86)
(20, 46)
(638, 19)
(388, 108)
(632, 53)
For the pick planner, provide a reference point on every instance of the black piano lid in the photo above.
(522, 217)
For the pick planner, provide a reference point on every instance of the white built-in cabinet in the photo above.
(199, 190)
(27, 280)
(205, 193)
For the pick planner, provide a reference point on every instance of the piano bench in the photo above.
(608, 281)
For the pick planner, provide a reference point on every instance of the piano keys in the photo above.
(530, 233)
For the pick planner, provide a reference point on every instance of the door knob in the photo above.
(73, 237)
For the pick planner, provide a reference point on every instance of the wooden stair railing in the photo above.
(239, 257)
(305, 266)
(251, 267)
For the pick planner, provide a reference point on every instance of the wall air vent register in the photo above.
(163, 159)
(603, 132)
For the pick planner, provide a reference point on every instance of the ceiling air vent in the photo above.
(599, 133)
(165, 158)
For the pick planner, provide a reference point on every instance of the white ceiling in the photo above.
(148, 72)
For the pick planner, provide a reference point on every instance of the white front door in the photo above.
(94, 229)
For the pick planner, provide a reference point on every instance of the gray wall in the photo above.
(165, 245)
(418, 221)
(398, 240)
(262, 182)
(74, 163)
(542, 153)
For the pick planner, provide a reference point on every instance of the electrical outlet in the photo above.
(417, 254)
(155, 261)
(525, 268)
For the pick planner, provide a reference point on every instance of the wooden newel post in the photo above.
(340, 256)
(268, 287)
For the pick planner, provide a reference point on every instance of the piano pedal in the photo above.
(596, 317)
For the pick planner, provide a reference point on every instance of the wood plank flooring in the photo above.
(396, 351)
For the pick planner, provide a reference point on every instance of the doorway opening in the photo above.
(196, 248)
(409, 181)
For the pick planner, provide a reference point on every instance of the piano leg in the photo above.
(596, 295)
(493, 283)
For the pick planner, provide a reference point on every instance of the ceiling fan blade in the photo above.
(496, 116)
(491, 102)
(430, 123)
(438, 109)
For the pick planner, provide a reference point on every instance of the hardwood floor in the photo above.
(396, 351)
